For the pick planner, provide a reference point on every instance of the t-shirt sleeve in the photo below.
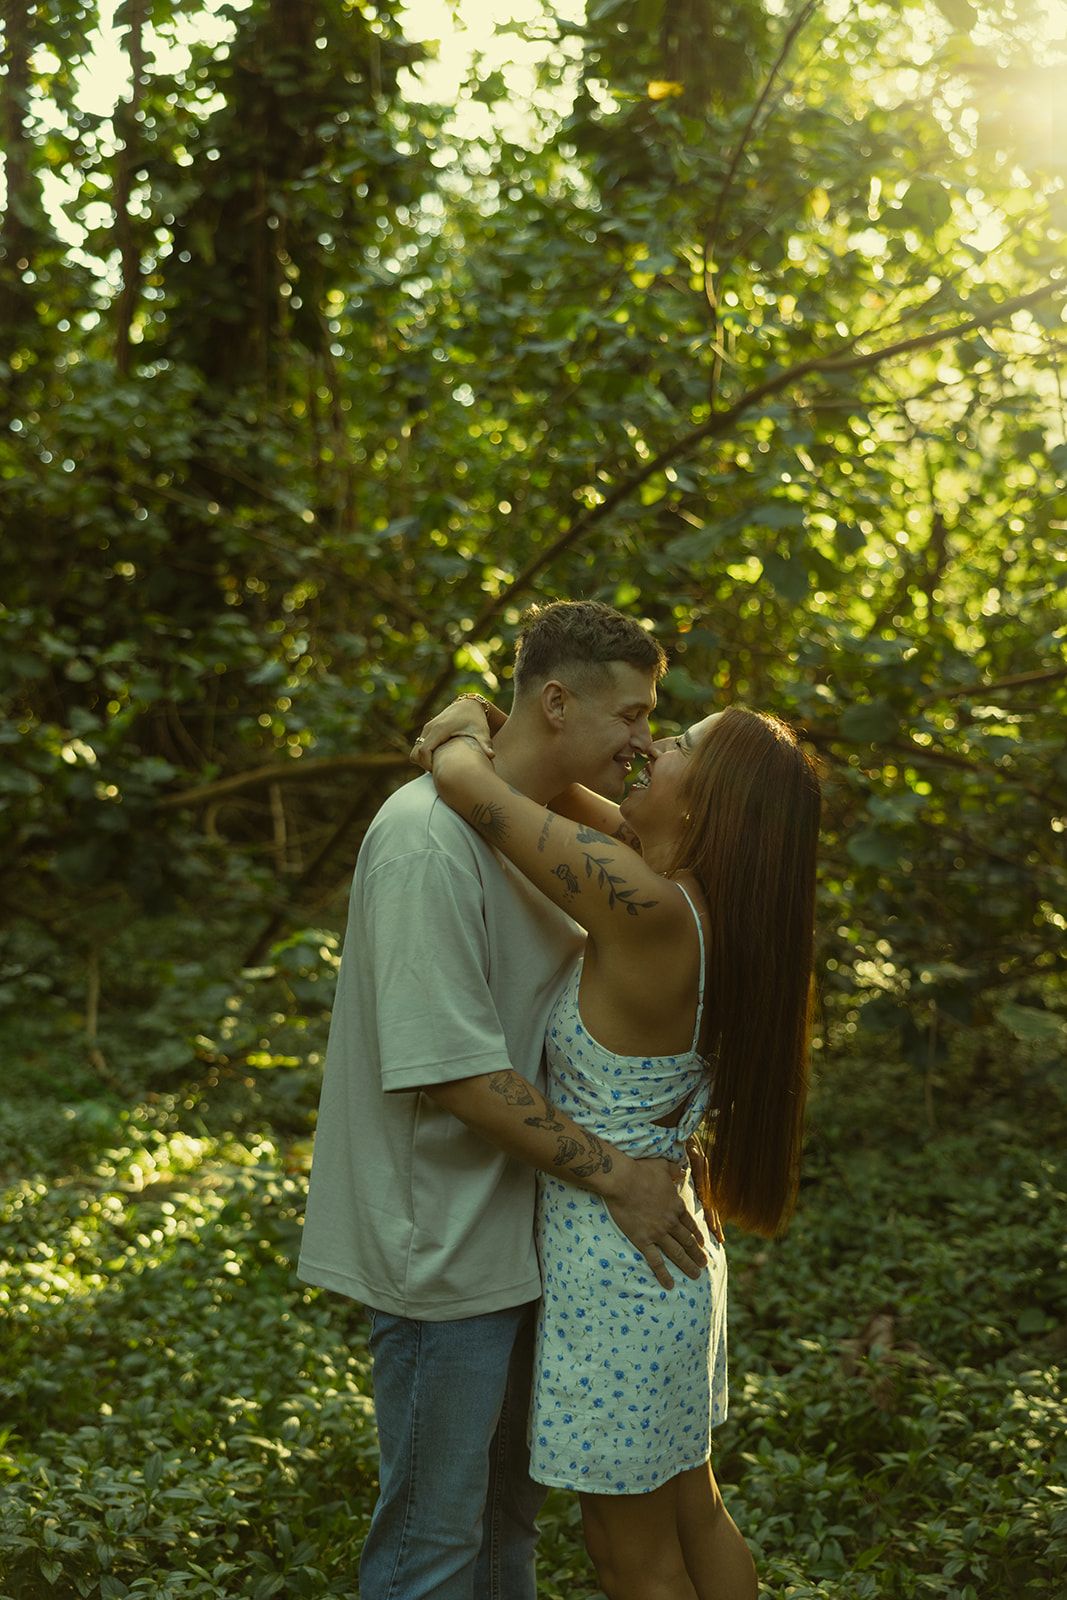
(436, 1020)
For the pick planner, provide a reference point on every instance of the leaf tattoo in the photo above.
(598, 866)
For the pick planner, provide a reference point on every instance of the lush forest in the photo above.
(748, 318)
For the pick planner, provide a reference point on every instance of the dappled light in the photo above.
(333, 335)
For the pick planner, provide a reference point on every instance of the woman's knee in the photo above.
(636, 1557)
(645, 1584)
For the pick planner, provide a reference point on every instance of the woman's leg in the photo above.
(677, 1543)
(716, 1555)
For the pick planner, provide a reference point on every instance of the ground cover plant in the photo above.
(753, 326)
(182, 1418)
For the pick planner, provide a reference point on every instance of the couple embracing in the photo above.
(545, 998)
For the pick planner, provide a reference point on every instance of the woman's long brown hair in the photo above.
(752, 798)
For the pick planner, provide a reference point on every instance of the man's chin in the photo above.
(613, 787)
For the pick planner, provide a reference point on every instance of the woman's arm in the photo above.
(472, 714)
(597, 880)
(582, 805)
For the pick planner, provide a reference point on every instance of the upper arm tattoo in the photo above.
(611, 881)
(606, 879)
(567, 878)
(543, 839)
(626, 835)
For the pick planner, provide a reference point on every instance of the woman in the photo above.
(689, 1007)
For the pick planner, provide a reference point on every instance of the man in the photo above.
(432, 1122)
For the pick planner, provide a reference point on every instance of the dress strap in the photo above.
(703, 967)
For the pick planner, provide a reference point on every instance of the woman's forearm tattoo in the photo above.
(490, 820)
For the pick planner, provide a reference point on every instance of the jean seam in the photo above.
(493, 1506)
(402, 1542)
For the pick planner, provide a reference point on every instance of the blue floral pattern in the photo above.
(630, 1377)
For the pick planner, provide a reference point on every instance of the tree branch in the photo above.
(719, 423)
(277, 772)
(711, 239)
(1047, 675)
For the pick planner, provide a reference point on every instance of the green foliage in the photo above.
(187, 1417)
(754, 331)
(182, 1417)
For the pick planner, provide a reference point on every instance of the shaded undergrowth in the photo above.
(182, 1418)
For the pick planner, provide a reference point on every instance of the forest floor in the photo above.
(181, 1418)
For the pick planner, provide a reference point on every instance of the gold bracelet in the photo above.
(482, 701)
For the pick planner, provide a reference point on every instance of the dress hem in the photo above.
(585, 1487)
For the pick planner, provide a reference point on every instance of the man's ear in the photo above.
(554, 704)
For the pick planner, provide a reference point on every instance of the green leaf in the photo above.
(873, 849)
(869, 723)
(850, 538)
(87, 864)
(960, 13)
(677, 681)
(153, 1472)
(1028, 1022)
(788, 578)
(777, 514)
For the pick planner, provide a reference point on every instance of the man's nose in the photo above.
(641, 737)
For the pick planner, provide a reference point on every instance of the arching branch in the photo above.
(719, 423)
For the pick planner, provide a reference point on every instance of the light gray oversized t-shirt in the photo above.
(452, 963)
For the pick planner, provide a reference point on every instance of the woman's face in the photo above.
(656, 794)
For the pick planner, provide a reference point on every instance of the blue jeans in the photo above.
(456, 1506)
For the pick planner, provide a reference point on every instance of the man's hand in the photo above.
(646, 1205)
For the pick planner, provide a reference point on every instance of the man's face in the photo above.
(606, 725)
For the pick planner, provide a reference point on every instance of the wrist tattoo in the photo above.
(582, 1157)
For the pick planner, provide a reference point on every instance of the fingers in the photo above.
(449, 724)
(657, 1266)
(683, 1254)
(692, 1260)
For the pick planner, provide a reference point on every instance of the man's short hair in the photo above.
(582, 638)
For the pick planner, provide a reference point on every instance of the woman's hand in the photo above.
(470, 715)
